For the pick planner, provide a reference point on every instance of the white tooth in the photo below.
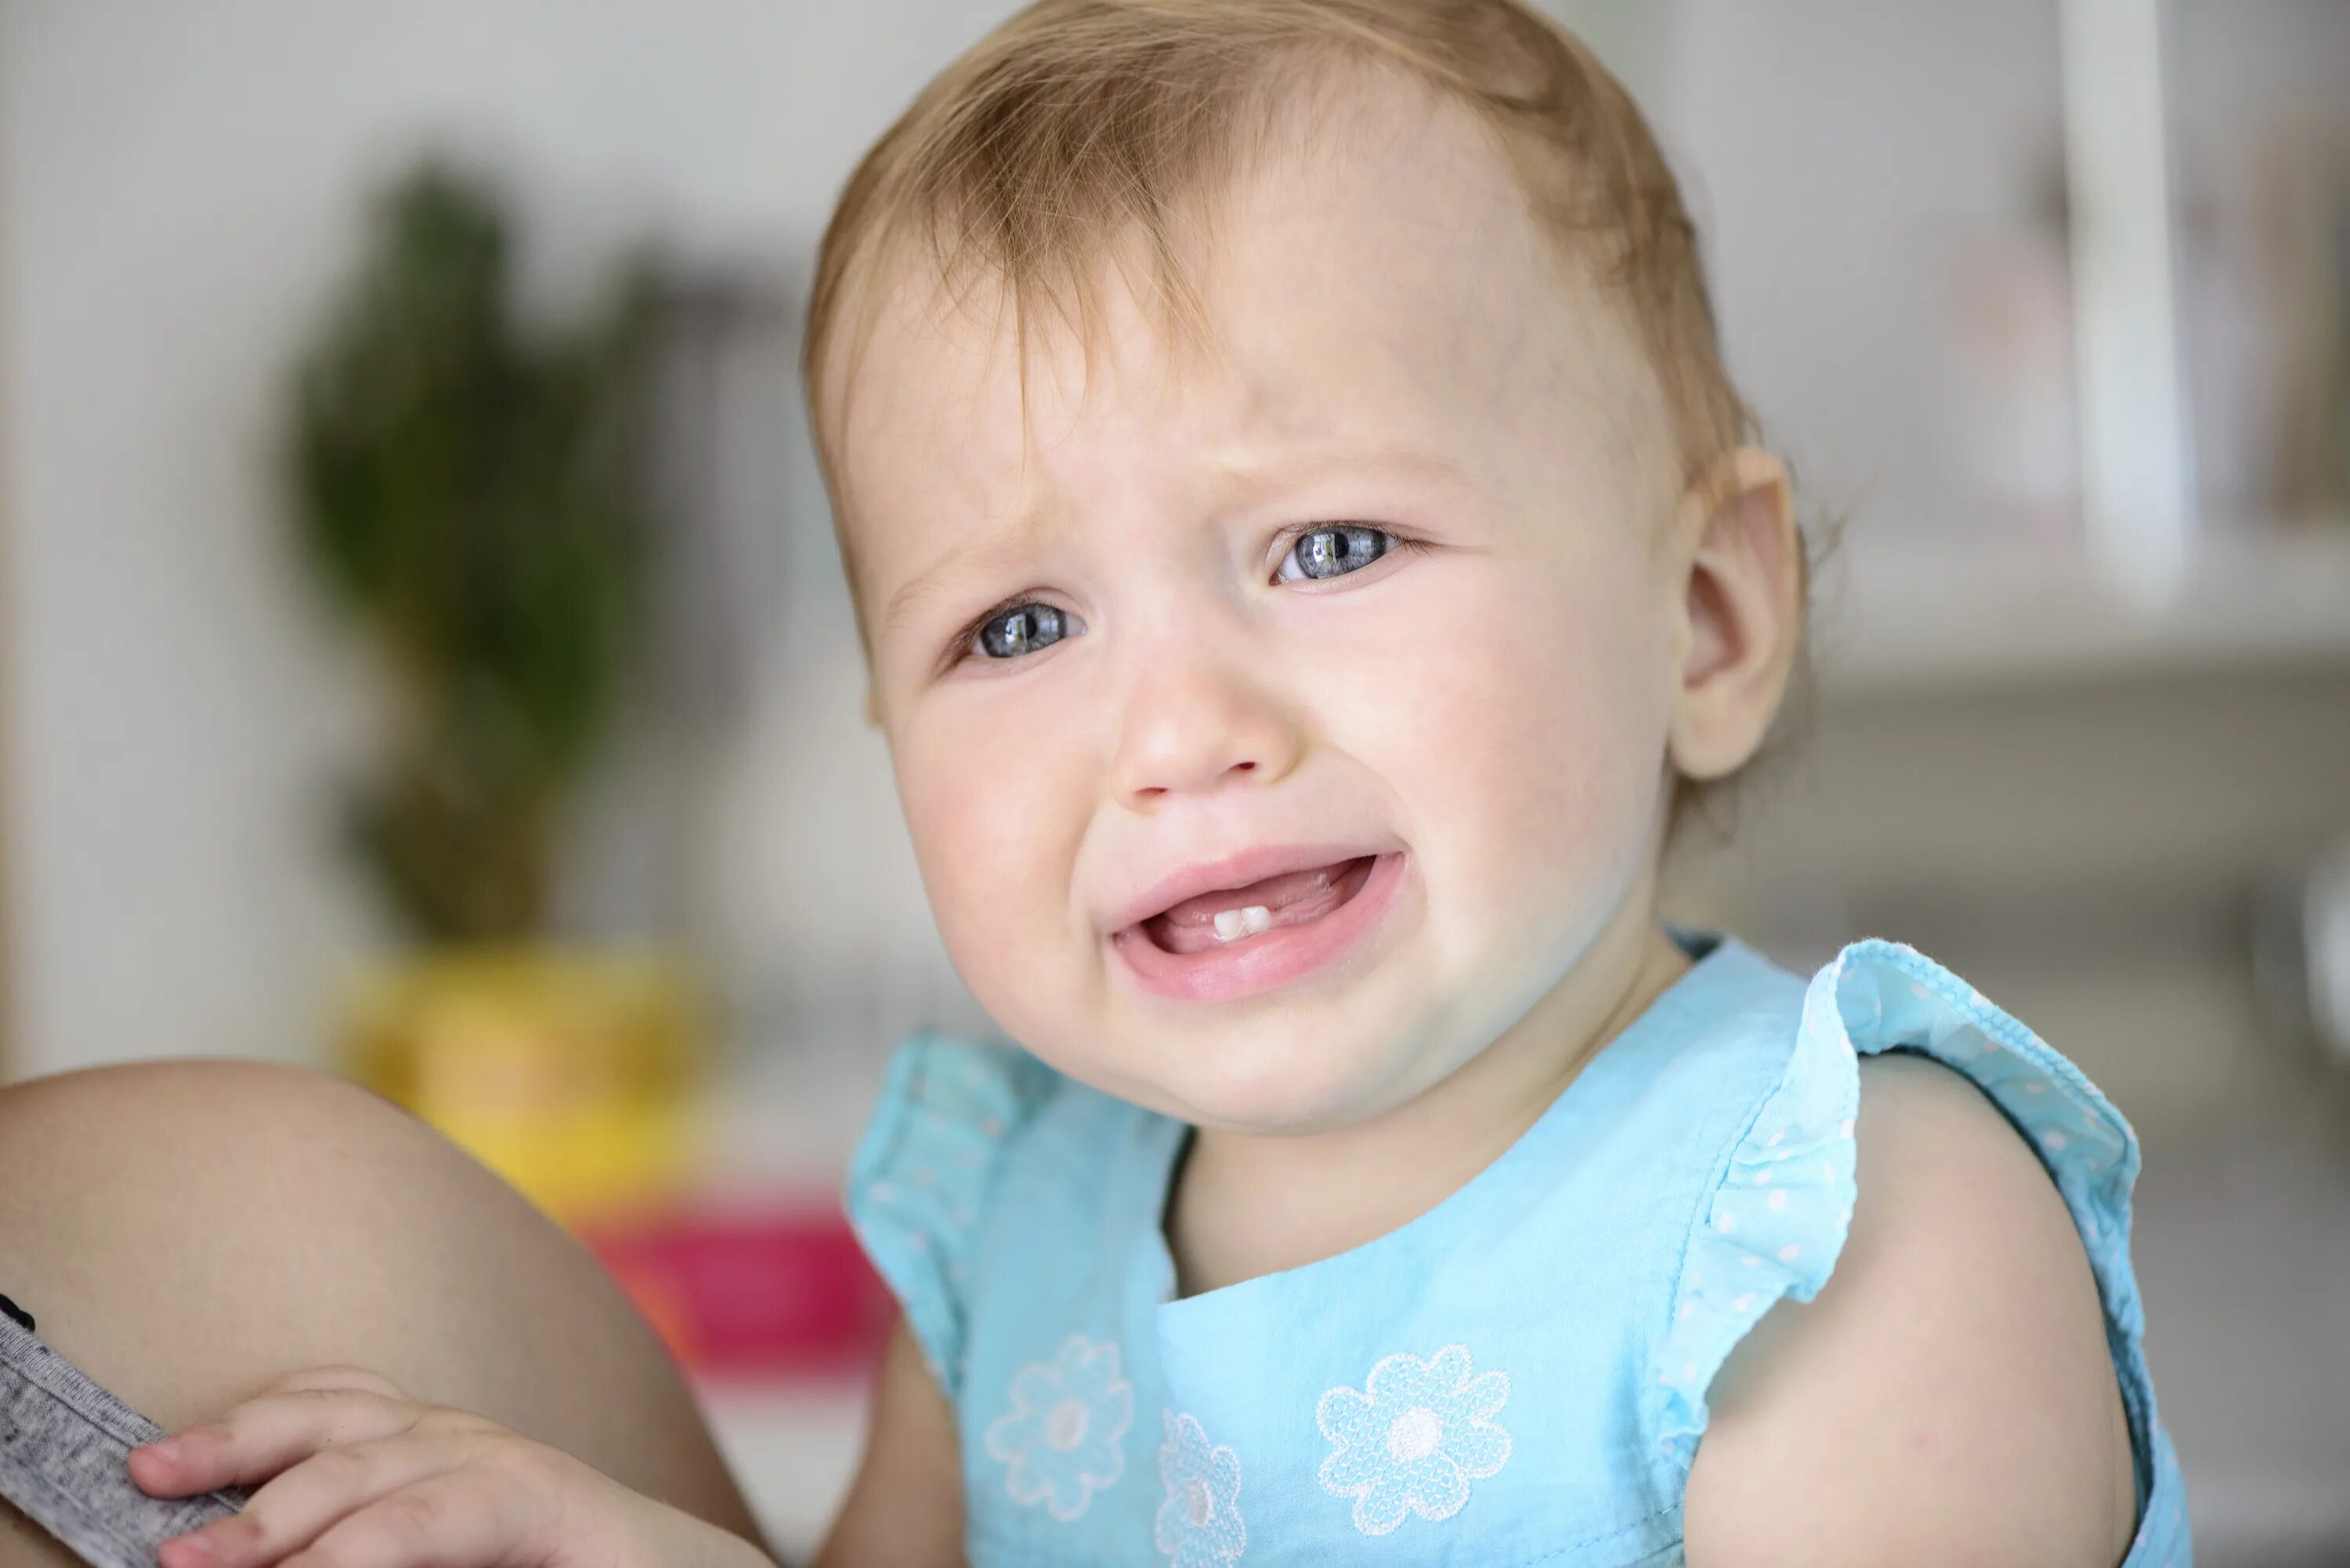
(1232, 925)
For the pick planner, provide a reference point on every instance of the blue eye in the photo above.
(1334, 551)
(1025, 628)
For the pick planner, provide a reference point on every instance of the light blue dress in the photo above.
(1517, 1377)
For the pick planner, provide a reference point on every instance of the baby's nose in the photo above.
(1199, 730)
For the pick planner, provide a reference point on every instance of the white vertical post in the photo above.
(2136, 488)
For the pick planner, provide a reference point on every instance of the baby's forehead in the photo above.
(1385, 285)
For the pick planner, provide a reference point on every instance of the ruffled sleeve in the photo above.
(1769, 1228)
(1773, 1225)
(919, 1187)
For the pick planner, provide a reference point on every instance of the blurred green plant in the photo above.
(474, 492)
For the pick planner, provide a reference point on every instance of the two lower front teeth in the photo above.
(1232, 925)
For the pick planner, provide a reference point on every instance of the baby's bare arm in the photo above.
(905, 1505)
(1950, 1397)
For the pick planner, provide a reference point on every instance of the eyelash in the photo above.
(1285, 542)
(961, 650)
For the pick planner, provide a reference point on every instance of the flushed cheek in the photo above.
(1528, 767)
(996, 830)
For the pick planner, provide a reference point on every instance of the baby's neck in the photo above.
(1249, 1204)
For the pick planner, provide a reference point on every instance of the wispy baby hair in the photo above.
(1079, 123)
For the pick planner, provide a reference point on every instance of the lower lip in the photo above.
(1269, 959)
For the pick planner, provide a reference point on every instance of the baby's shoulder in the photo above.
(1952, 1376)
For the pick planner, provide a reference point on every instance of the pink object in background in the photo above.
(774, 1293)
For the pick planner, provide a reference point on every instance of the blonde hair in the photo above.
(1077, 122)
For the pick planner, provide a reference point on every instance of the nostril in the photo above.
(1243, 767)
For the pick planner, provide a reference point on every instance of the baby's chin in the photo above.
(1267, 1076)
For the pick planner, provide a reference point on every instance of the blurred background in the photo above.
(423, 653)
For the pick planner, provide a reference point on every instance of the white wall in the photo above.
(1857, 171)
(181, 186)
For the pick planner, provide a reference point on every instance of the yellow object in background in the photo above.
(568, 1071)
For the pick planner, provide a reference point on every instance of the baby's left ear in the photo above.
(1741, 610)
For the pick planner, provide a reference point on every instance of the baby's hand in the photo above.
(358, 1475)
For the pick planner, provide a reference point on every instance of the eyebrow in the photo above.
(1234, 478)
(1295, 464)
(1006, 544)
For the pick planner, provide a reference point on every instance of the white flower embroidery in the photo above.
(1412, 1437)
(1060, 1439)
(1200, 1523)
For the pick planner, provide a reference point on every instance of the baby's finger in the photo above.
(293, 1510)
(467, 1516)
(262, 1437)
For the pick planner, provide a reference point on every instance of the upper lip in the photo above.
(1237, 870)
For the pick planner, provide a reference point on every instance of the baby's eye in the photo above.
(1025, 628)
(1334, 551)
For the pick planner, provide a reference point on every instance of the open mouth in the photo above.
(1257, 935)
(1241, 914)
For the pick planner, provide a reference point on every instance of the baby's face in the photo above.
(1276, 728)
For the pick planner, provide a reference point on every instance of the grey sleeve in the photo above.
(64, 1446)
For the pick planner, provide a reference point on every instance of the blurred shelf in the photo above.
(2243, 1255)
(1899, 619)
